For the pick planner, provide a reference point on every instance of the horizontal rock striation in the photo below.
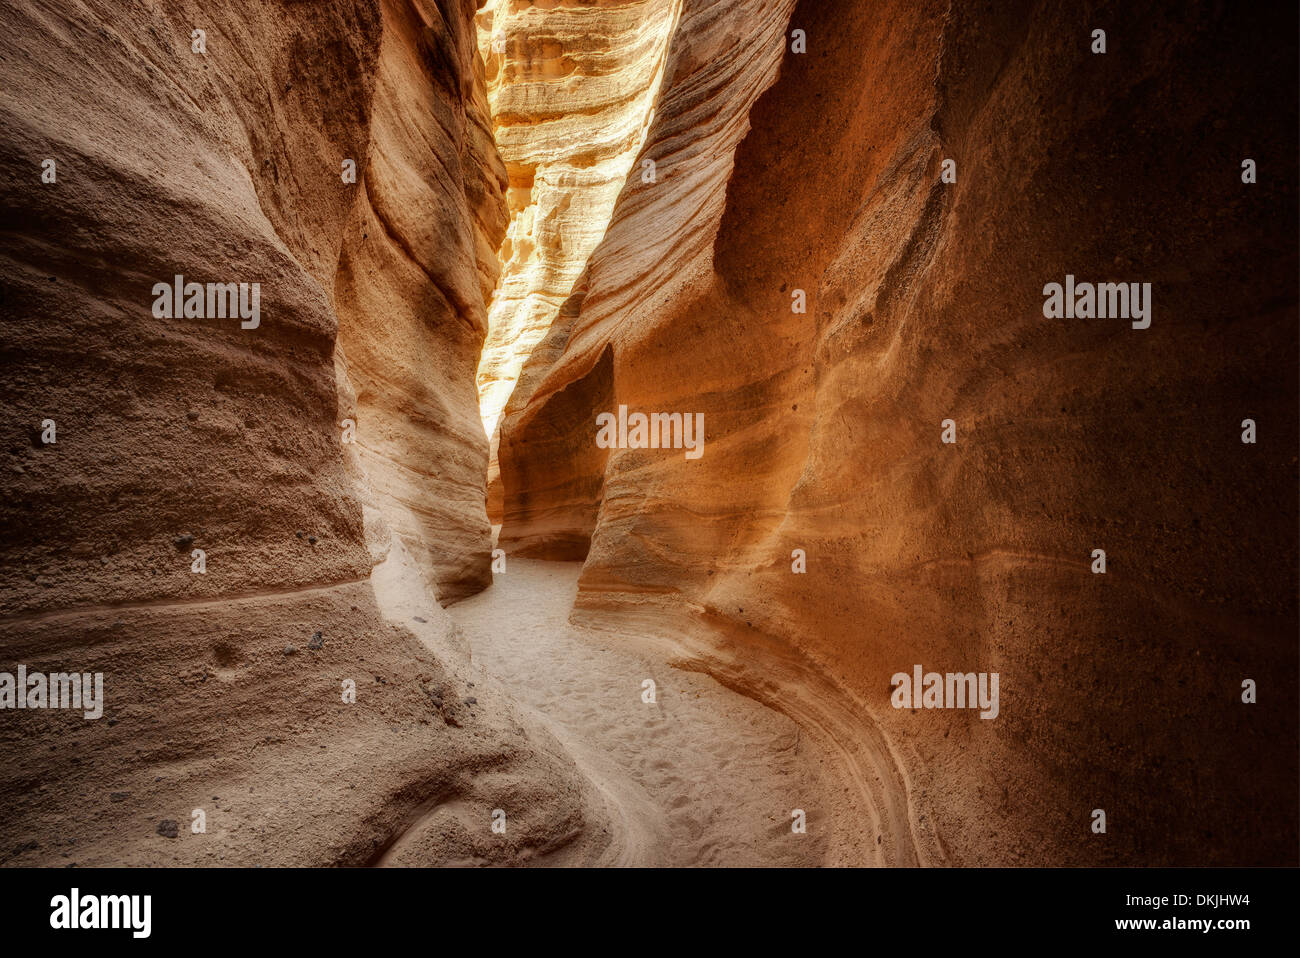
(656, 246)
(417, 266)
(314, 712)
(1119, 691)
(571, 91)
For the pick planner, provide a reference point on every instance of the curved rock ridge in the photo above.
(316, 707)
(417, 266)
(719, 61)
(572, 90)
(925, 302)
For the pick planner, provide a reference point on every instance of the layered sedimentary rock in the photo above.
(417, 266)
(180, 512)
(183, 512)
(656, 246)
(1120, 691)
(571, 91)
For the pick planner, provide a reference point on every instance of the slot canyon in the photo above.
(362, 584)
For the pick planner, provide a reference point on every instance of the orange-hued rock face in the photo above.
(417, 266)
(571, 91)
(499, 260)
(823, 172)
(717, 67)
(313, 711)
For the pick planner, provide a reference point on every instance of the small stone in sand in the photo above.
(168, 828)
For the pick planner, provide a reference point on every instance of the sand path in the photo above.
(702, 776)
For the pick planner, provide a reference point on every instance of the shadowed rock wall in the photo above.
(925, 302)
(228, 691)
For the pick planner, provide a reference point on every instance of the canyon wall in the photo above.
(721, 57)
(1120, 691)
(572, 90)
(417, 267)
(310, 711)
(249, 529)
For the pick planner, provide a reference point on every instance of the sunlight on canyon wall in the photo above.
(571, 91)
(923, 304)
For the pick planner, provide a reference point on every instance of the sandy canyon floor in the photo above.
(474, 230)
(700, 776)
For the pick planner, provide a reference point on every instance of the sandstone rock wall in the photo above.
(776, 173)
(656, 246)
(417, 268)
(225, 691)
(924, 303)
(572, 90)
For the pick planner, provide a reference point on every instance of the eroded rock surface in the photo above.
(417, 268)
(227, 692)
(308, 694)
(572, 90)
(1119, 691)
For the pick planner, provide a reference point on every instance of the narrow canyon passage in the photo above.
(471, 235)
(700, 776)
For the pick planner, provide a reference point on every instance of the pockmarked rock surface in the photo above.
(302, 709)
(471, 232)
(821, 174)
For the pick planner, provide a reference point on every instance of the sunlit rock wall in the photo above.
(924, 303)
(197, 532)
(571, 90)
